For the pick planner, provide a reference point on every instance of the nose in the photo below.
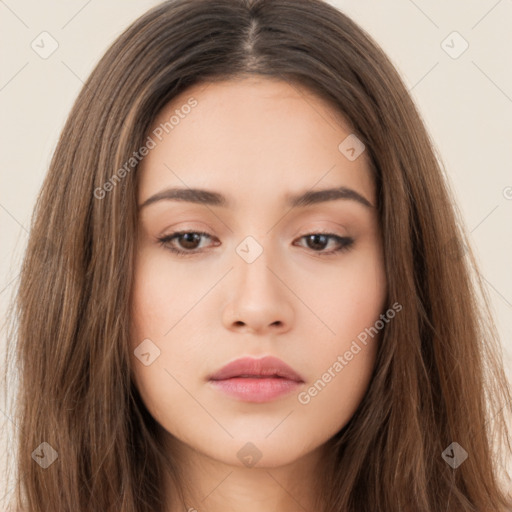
(260, 300)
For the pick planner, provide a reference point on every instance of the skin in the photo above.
(254, 140)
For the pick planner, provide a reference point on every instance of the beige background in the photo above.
(466, 103)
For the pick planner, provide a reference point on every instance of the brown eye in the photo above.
(318, 242)
(189, 240)
(183, 243)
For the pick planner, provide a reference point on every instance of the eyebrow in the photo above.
(207, 197)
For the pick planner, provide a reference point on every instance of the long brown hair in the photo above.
(439, 376)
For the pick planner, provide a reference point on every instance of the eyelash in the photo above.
(346, 243)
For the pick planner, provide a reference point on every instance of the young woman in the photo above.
(246, 286)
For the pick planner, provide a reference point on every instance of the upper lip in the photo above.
(265, 366)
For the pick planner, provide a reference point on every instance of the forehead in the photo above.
(253, 135)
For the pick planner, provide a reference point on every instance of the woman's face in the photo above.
(262, 280)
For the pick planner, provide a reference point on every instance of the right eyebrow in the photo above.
(191, 195)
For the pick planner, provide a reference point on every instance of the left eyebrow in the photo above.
(311, 197)
(208, 197)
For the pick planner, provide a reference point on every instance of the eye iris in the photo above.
(315, 238)
(187, 236)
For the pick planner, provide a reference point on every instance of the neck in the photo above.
(210, 485)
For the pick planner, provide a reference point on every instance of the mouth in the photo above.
(256, 380)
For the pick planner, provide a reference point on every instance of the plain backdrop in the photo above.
(454, 57)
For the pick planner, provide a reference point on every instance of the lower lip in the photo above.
(256, 390)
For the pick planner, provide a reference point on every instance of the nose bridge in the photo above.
(253, 264)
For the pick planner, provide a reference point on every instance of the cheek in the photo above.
(345, 344)
(152, 314)
(347, 297)
(160, 296)
(163, 337)
(337, 391)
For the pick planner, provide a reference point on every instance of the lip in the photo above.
(256, 380)
(267, 366)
